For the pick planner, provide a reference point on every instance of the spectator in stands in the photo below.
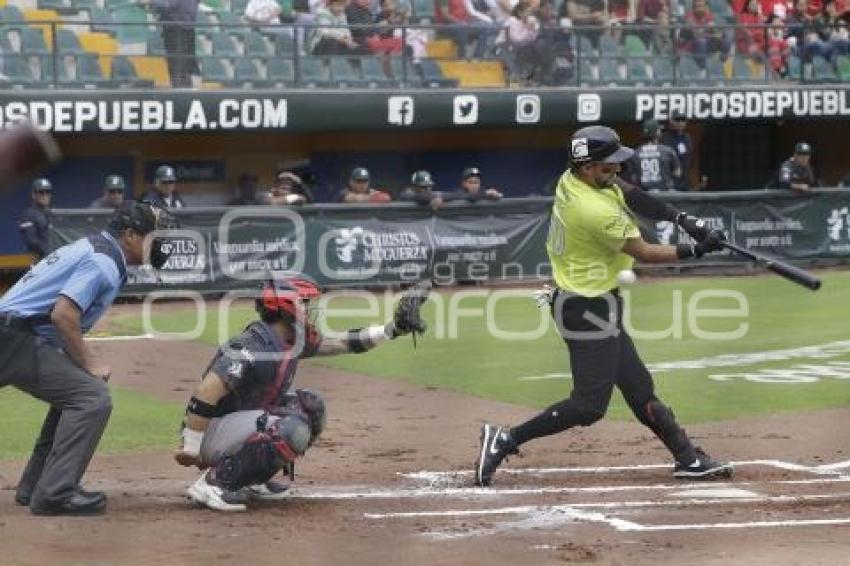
(246, 190)
(802, 33)
(470, 188)
(702, 37)
(387, 39)
(286, 190)
(113, 193)
(663, 35)
(586, 13)
(532, 58)
(796, 173)
(37, 219)
(164, 191)
(421, 191)
(751, 38)
(454, 13)
(557, 40)
(677, 138)
(335, 39)
(178, 35)
(654, 166)
(359, 15)
(778, 46)
(485, 23)
(648, 16)
(268, 13)
(832, 29)
(358, 189)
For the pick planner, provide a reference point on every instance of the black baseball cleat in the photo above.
(704, 467)
(496, 444)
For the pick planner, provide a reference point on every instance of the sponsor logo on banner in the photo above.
(838, 229)
(356, 244)
(400, 110)
(589, 107)
(527, 109)
(465, 109)
(743, 104)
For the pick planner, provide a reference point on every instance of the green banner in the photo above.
(219, 249)
(193, 112)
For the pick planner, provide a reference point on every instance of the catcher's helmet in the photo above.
(282, 294)
(597, 144)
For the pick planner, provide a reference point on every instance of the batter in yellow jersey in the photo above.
(587, 232)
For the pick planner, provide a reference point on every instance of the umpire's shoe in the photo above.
(206, 492)
(90, 503)
(496, 444)
(704, 467)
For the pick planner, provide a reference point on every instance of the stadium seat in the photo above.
(714, 70)
(281, 72)
(213, 69)
(67, 42)
(741, 71)
(343, 72)
(223, 45)
(373, 72)
(152, 67)
(89, 71)
(843, 64)
(432, 75)
(247, 73)
(314, 72)
(585, 47)
(587, 71)
(64, 77)
(11, 14)
(257, 46)
(155, 45)
(130, 24)
(284, 44)
(822, 70)
(123, 74)
(608, 46)
(100, 19)
(689, 71)
(609, 72)
(637, 72)
(18, 72)
(635, 47)
(411, 78)
(423, 9)
(663, 73)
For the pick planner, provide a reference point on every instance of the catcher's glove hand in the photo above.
(407, 318)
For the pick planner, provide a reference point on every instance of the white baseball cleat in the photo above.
(270, 491)
(203, 492)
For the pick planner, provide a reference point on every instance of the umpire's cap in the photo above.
(42, 185)
(114, 183)
(165, 173)
(140, 217)
(359, 174)
(598, 144)
(421, 178)
(802, 148)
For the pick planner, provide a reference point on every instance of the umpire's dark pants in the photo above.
(80, 408)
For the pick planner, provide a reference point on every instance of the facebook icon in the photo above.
(400, 110)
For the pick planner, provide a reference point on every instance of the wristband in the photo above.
(192, 441)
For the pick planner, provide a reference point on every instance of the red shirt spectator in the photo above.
(751, 39)
(451, 12)
(648, 10)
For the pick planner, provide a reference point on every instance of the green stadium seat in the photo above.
(247, 73)
(843, 65)
(344, 73)
(635, 47)
(663, 72)
(18, 71)
(689, 71)
(223, 45)
(280, 72)
(608, 46)
(11, 14)
(32, 41)
(412, 78)
(284, 43)
(714, 70)
(64, 77)
(637, 72)
(213, 69)
(423, 9)
(89, 71)
(100, 20)
(586, 48)
(257, 46)
(131, 24)
(123, 74)
(314, 72)
(67, 42)
(373, 72)
(795, 68)
(822, 70)
(587, 71)
(238, 6)
(155, 45)
(609, 72)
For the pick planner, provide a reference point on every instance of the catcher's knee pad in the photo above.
(256, 462)
(291, 435)
(314, 406)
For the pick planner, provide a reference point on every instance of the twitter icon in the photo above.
(465, 109)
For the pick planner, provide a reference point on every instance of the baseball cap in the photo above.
(359, 174)
(470, 172)
(651, 127)
(598, 144)
(42, 185)
(114, 183)
(422, 179)
(165, 173)
(138, 216)
(803, 148)
(287, 176)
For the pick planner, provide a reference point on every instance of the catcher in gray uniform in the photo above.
(245, 422)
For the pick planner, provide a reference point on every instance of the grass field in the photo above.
(780, 316)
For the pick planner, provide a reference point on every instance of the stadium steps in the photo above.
(474, 74)
(441, 49)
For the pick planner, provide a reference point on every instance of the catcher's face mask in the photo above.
(288, 295)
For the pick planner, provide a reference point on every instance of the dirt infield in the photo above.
(389, 483)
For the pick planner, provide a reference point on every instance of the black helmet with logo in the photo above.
(42, 185)
(422, 178)
(597, 144)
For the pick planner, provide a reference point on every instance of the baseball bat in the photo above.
(795, 274)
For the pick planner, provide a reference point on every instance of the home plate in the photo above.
(717, 493)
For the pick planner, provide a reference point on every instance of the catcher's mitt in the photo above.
(407, 318)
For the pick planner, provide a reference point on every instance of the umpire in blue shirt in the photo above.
(42, 352)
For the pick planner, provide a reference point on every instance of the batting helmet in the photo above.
(282, 294)
(598, 144)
